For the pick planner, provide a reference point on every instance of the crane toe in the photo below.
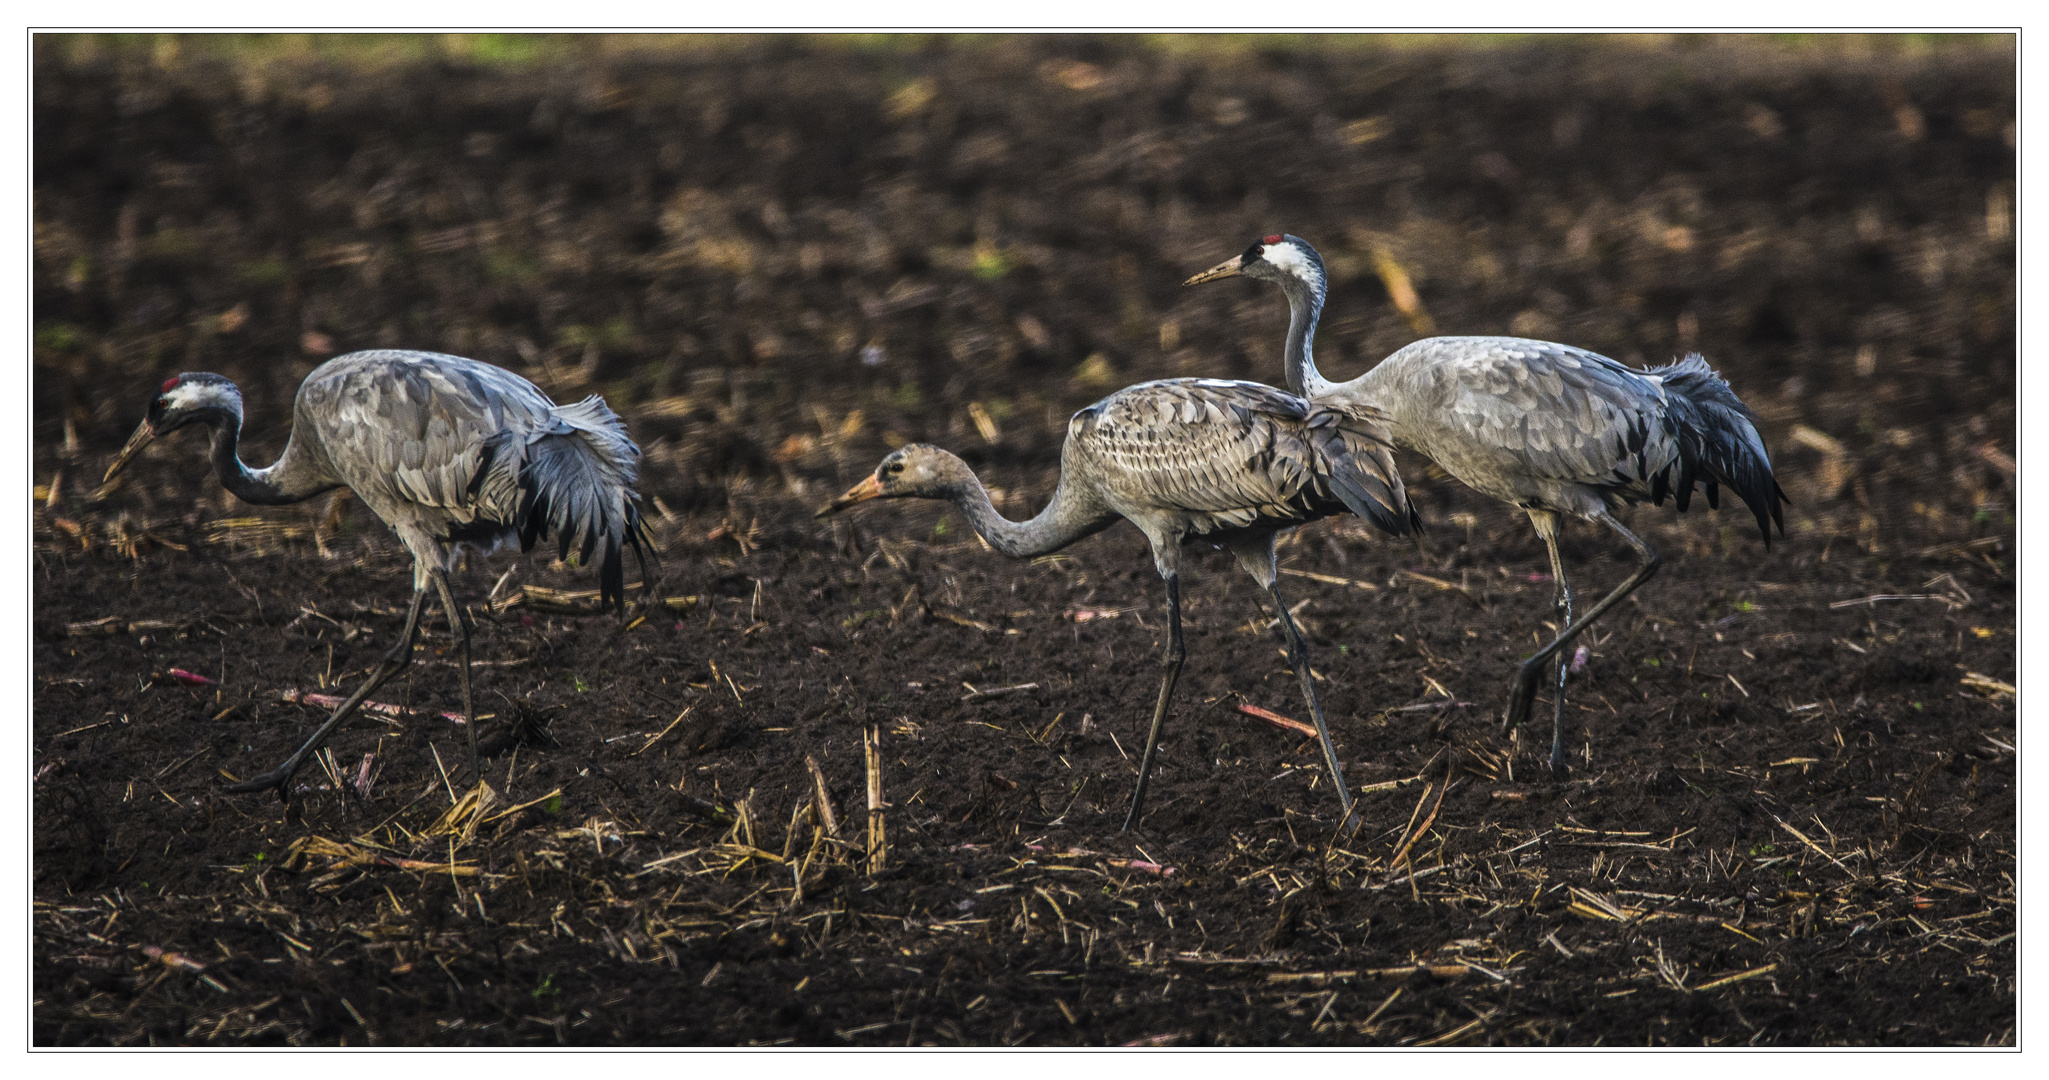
(279, 780)
(1524, 694)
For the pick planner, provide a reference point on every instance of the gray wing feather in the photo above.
(1222, 454)
(1510, 408)
(1356, 438)
(411, 428)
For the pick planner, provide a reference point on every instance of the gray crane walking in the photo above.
(1232, 463)
(1550, 428)
(446, 451)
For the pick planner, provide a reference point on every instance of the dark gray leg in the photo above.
(1563, 662)
(1298, 657)
(394, 661)
(1524, 693)
(1547, 523)
(460, 627)
(1172, 659)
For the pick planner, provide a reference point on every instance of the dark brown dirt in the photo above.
(1789, 822)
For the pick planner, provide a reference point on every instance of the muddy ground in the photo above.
(1790, 818)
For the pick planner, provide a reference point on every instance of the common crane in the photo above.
(1550, 428)
(1232, 463)
(446, 451)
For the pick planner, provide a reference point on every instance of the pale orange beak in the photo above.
(1228, 268)
(143, 436)
(870, 488)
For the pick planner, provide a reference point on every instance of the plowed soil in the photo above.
(1790, 817)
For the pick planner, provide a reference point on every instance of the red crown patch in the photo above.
(1274, 239)
(168, 384)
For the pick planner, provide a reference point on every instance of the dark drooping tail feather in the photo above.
(1718, 443)
(612, 573)
(1362, 473)
(573, 478)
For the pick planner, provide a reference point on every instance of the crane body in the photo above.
(446, 452)
(1231, 463)
(1555, 430)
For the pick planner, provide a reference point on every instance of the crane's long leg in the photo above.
(1525, 691)
(1563, 662)
(1298, 657)
(459, 625)
(1171, 659)
(1547, 523)
(394, 661)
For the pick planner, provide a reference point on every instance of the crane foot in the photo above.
(1523, 696)
(278, 779)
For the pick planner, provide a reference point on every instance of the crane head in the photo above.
(193, 397)
(913, 471)
(1273, 258)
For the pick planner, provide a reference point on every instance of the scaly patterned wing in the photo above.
(1552, 411)
(1219, 454)
(410, 427)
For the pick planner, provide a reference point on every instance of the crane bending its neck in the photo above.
(257, 487)
(205, 398)
(1063, 521)
(933, 473)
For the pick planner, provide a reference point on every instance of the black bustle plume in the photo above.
(1719, 443)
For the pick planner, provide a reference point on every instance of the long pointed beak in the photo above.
(143, 436)
(870, 488)
(1228, 268)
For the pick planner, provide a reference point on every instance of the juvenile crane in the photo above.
(1550, 428)
(1232, 463)
(446, 451)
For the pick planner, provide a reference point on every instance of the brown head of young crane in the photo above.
(1231, 463)
(446, 451)
(1555, 430)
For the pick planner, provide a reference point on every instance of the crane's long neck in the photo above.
(1305, 307)
(1064, 520)
(277, 485)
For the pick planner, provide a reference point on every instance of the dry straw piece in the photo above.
(822, 798)
(878, 842)
(577, 601)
